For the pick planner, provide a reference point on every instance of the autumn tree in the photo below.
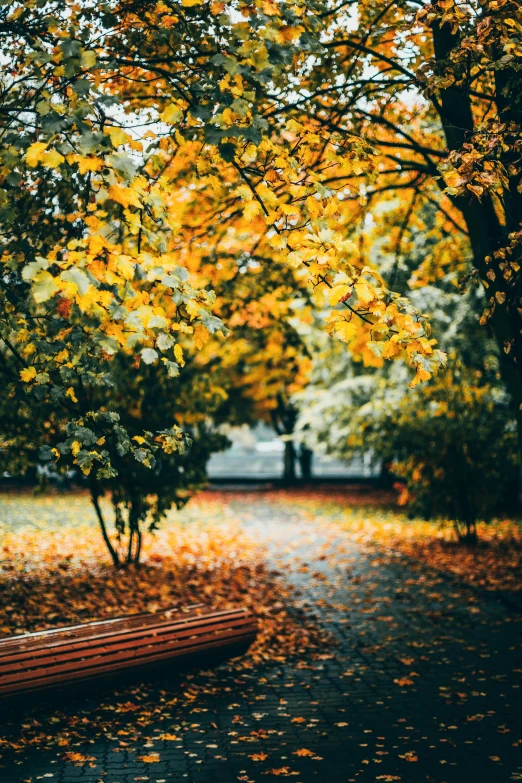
(140, 140)
(450, 446)
(435, 89)
(155, 432)
(265, 361)
(121, 131)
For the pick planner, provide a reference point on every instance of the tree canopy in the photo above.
(172, 170)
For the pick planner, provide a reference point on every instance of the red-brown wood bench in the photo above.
(77, 654)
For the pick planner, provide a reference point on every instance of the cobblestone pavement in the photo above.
(421, 683)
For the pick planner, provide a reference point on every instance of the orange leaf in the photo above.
(153, 758)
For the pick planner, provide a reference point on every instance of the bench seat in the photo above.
(77, 654)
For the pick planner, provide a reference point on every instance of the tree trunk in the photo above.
(289, 462)
(134, 544)
(486, 233)
(284, 417)
(95, 496)
(305, 461)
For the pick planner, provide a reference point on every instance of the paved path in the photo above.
(421, 685)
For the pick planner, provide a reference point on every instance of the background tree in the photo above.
(452, 443)
(265, 361)
(435, 89)
(155, 432)
(454, 447)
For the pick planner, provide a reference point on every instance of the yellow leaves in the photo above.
(331, 210)
(422, 346)
(125, 266)
(391, 350)
(244, 192)
(127, 197)
(278, 241)
(420, 376)
(44, 286)
(252, 210)
(91, 300)
(96, 244)
(52, 159)
(193, 309)
(293, 126)
(178, 353)
(76, 447)
(172, 114)
(290, 34)
(258, 756)
(117, 136)
(454, 181)
(139, 439)
(307, 202)
(229, 117)
(345, 330)
(365, 291)
(70, 393)
(28, 374)
(477, 190)
(154, 758)
(88, 164)
(38, 154)
(318, 295)
(257, 54)
(303, 752)
(339, 293)
(289, 209)
(314, 207)
(201, 336)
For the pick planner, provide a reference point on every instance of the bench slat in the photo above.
(90, 629)
(62, 646)
(87, 649)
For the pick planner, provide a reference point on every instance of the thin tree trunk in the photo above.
(289, 462)
(97, 508)
(129, 548)
(138, 549)
(305, 461)
(134, 547)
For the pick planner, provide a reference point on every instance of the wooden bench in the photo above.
(78, 654)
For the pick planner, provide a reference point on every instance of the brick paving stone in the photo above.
(422, 685)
